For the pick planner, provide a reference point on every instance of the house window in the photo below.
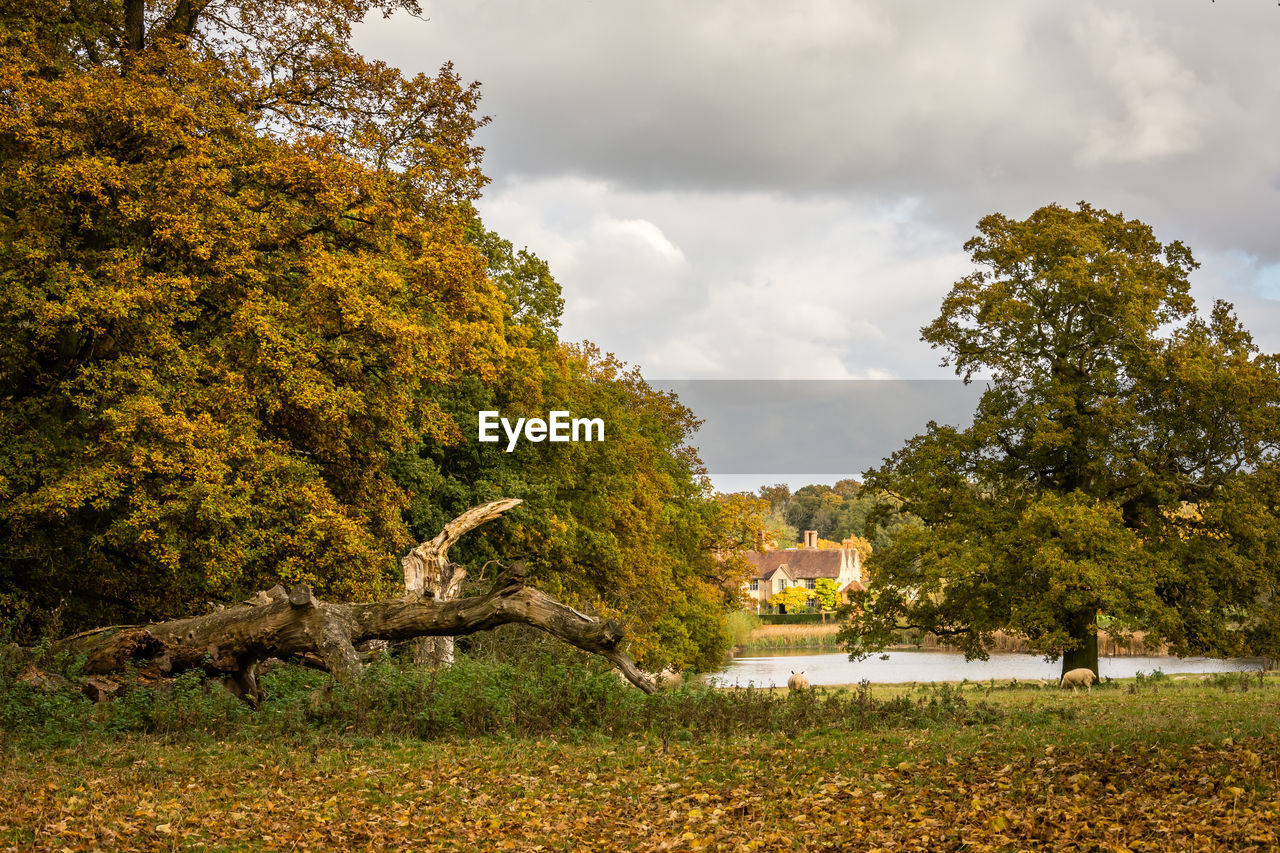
(780, 584)
(810, 583)
(755, 586)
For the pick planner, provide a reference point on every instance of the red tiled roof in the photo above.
(801, 563)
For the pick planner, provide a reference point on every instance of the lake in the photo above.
(772, 669)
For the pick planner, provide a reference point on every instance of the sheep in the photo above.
(1082, 677)
(797, 681)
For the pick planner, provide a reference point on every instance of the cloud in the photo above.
(761, 190)
(828, 289)
(1150, 114)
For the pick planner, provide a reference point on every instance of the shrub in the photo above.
(791, 618)
(740, 624)
(552, 691)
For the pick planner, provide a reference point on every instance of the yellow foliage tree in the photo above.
(792, 599)
(234, 263)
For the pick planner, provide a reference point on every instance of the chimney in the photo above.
(850, 562)
(811, 539)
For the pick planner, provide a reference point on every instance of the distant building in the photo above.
(803, 566)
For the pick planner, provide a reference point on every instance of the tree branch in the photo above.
(294, 623)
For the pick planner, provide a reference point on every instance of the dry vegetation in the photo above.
(794, 636)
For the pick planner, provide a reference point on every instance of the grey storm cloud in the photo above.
(1170, 107)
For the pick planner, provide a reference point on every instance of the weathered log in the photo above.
(429, 573)
(286, 624)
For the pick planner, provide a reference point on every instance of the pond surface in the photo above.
(765, 669)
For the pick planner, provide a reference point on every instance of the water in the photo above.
(772, 670)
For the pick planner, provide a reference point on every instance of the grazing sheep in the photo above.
(1082, 677)
(797, 681)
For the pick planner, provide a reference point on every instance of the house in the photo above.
(803, 566)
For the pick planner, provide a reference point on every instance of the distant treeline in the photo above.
(836, 512)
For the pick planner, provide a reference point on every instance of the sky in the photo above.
(765, 191)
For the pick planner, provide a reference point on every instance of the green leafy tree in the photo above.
(777, 495)
(1120, 460)
(839, 512)
(827, 592)
(627, 527)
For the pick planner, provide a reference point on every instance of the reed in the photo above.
(821, 636)
(793, 637)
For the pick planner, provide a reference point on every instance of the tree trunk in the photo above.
(1083, 626)
(294, 623)
(428, 573)
(134, 25)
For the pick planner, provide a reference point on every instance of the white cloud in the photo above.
(713, 285)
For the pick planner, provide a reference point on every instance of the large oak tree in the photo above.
(249, 315)
(1122, 460)
(233, 254)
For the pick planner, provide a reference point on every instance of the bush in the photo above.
(740, 624)
(566, 694)
(792, 618)
(572, 695)
(184, 706)
(510, 683)
(1155, 679)
(1229, 681)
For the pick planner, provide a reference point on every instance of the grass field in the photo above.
(1150, 765)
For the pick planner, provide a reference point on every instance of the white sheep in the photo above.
(1082, 677)
(797, 681)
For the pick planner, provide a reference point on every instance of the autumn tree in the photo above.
(250, 315)
(793, 599)
(827, 593)
(626, 528)
(234, 263)
(1122, 459)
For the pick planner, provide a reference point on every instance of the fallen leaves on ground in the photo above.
(832, 793)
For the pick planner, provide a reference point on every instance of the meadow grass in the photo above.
(1155, 764)
(532, 746)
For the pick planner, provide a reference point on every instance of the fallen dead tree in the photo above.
(280, 623)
